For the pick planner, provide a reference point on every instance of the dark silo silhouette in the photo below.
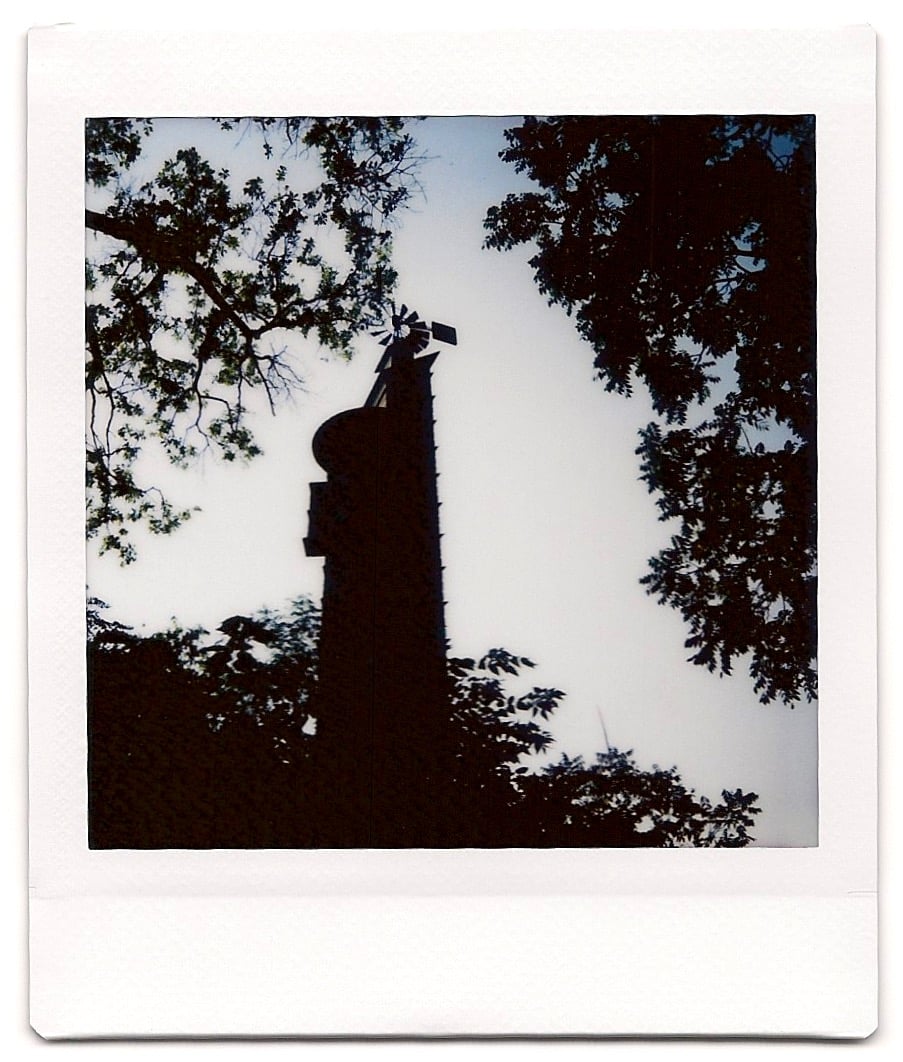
(383, 713)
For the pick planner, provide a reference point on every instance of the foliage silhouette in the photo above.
(209, 741)
(685, 249)
(613, 803)
(197, 277)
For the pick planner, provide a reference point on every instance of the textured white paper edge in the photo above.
(364, 938)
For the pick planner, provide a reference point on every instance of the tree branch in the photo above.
(170, 256)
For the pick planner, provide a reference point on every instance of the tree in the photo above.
(263, 671)
(200, 740)
(198, 276)
(685, 249)
(613, 803)
(496, 731)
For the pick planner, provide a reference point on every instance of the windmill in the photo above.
(404, 336)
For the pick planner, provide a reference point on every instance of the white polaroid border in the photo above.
(610, 942)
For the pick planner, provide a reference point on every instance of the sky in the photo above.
(546, 526)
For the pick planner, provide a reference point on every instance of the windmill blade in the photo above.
(419, 339)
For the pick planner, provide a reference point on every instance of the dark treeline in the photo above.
(209, 741)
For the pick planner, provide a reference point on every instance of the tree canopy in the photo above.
(204, 739)
(684, 247)
(198, 276)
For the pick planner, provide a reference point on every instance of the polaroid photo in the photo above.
(456, 550)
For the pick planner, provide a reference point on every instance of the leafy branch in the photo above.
(199, 286)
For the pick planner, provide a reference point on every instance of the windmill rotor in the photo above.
(404, 327)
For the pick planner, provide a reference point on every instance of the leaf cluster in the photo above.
(613, 802)
(494, 727)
